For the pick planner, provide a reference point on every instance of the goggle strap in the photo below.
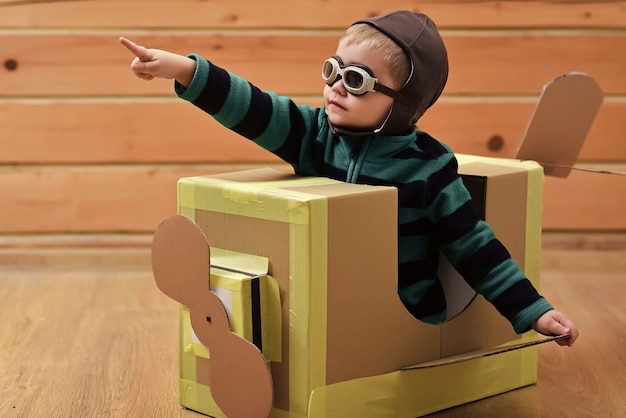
(397, 96)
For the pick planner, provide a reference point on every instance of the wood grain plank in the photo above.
(62, 199)
(92, 198)
(310, 14)
(87, 64)
(167, 131)
(118, 132)
(586, 201)
(519, 64)
(477, 127)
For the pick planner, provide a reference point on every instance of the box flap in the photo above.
(240, 262)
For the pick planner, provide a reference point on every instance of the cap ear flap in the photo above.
(181, 259)
(416, 117)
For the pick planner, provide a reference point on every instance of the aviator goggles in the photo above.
(357, 79)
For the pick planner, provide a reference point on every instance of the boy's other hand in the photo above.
(155, 63)
(556, 323)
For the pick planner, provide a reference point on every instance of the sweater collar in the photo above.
(377, 146)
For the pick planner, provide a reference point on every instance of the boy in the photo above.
(386, 72)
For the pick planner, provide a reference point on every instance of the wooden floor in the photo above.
(85, 332)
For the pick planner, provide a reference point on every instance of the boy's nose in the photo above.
(338, 87)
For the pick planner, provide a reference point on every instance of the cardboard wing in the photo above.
(484, 353)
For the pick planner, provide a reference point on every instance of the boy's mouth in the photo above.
(335, 103)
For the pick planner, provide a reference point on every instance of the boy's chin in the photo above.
(351, 130)
(343, 124)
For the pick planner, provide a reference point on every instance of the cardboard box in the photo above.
(346, 341)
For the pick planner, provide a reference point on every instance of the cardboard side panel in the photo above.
(506, 212)
(513, 208)
(412, 393)
(531, 207)
(370, 330)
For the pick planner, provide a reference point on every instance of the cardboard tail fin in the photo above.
(560, 122)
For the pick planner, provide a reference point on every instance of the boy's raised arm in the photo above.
(151, 63)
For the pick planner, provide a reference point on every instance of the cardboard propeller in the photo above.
(240, 379)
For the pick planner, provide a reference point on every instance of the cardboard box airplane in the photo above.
(288, 292)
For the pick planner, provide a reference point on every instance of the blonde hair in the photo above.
(393, 56)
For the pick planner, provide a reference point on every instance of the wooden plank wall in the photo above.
(87, 148)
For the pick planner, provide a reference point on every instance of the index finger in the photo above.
(137, 50)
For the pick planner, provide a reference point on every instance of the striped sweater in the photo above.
(434, 207)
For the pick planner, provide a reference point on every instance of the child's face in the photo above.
(365, 111)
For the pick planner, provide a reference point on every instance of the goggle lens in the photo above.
(328, 71)
(353, 79)
(357, 80)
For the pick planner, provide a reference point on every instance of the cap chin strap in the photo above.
(338, 130)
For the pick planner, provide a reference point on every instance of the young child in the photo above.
(386, 72)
